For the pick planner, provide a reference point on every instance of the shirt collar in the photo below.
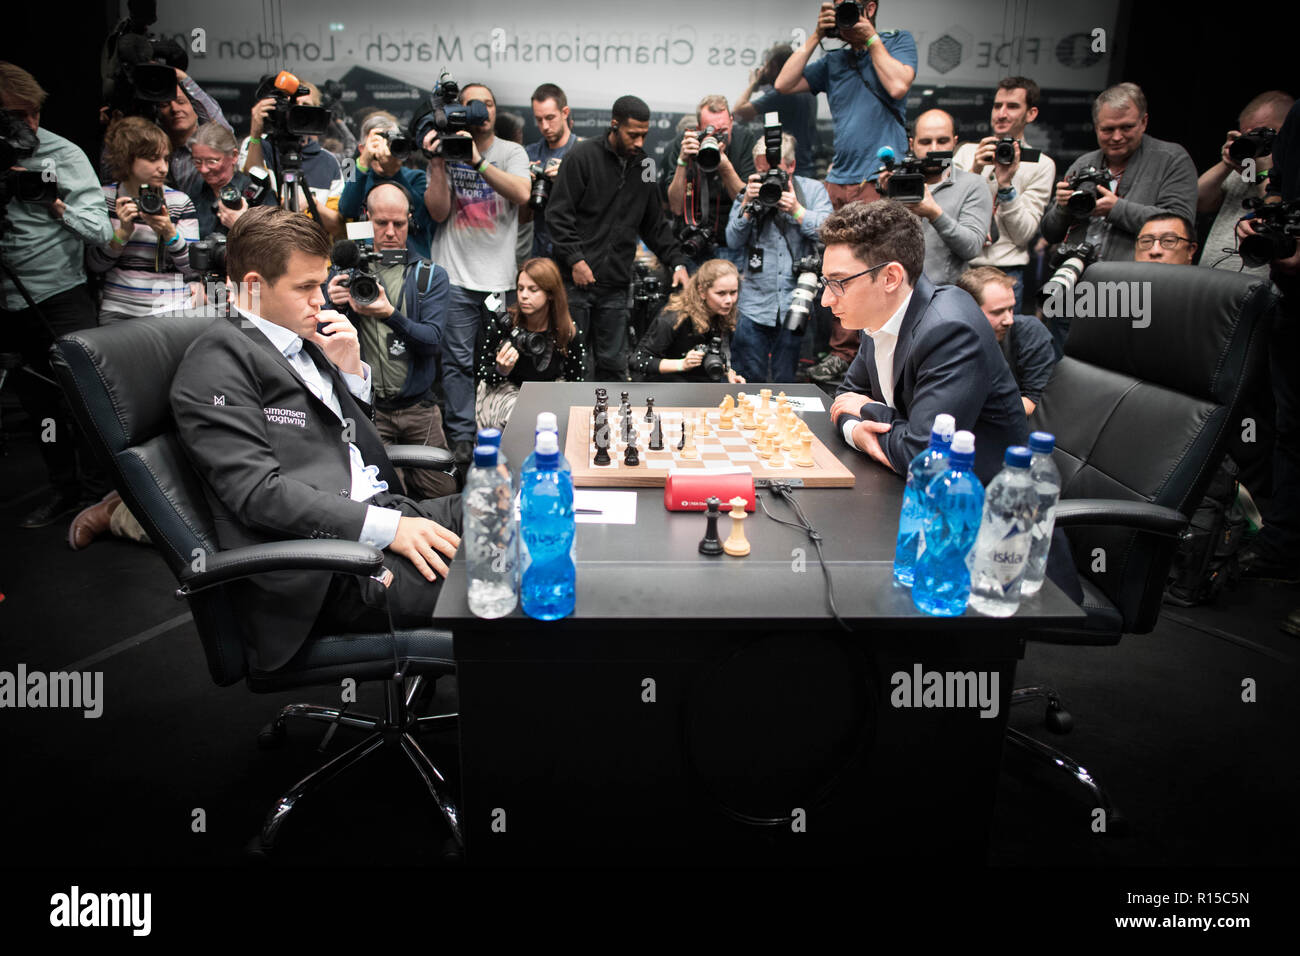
(288, 343)
(890, 328)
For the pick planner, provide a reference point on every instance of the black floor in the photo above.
(1205, 779)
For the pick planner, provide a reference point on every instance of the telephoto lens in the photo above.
(710, 155)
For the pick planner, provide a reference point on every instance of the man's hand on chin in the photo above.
(420, 540)
(864, 437)
(339, 341)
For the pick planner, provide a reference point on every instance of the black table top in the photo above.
(653, 569)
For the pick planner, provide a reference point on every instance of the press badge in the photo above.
(396, 347)
(755, 260)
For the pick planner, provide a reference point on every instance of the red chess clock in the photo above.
(688, 491)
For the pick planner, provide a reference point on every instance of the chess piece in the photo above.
(632, 454)
(649, 410)
(805, 459)
(602, 438)
(736, 545)
(711, 544)
(702, 425)
(781, 398)
(688, 434)
(628, 429)
(727, 418)
(728, 403)
(764, 398)
(762, 448)
(656, 434)
(777, 459)
(681, 441)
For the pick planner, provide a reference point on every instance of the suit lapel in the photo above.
(921, 296)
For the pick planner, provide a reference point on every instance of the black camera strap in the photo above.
(889, 105)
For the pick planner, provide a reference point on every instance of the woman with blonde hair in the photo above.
(679, 345)
(540, 344)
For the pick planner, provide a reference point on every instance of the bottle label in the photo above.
(1000, 553)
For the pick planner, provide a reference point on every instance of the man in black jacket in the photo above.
(274, 412)
(605, 195)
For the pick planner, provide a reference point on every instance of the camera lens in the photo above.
(363, 287)
(1004, 153)
(801, 303)
(541, 191)
(1083, 200)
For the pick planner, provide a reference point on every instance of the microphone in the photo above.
(345, 254)
(887, 156)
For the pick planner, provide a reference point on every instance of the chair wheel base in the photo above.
(271, 737)
(1058, 720)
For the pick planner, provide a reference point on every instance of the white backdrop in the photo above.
(668, 52)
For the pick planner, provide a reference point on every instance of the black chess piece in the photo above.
(602, 438)
(632, 456)
(628, 428)
(656, 434)
(649, 410)
(681, 442)
(710, 544)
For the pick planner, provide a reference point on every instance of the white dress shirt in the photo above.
(885, 340)
(380, 527)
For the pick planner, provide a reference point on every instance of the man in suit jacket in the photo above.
(928, 349)
(272, 406)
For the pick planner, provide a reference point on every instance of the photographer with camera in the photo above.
(797, 111)
(775, 222)
(476, 204)
(710, 165)
(376, 164)
(689, 341)
(1020, 179)
(401, 344)
(600, 204)
(551, 113)
(1245, 161)
(45, 228)
(955, 207)
(181, 117)
(534, 340)
(1109, 192)
(279, 145)
(225, 191)
(145, 262)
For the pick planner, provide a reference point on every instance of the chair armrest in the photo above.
(1140, 515)
(345, 557)
(421, 456)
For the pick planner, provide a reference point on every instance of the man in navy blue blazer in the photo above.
(927, 349)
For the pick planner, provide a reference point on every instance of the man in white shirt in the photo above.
(273, 408)
(1021, 188)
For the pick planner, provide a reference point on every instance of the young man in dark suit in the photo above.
(273, 407)
(928, 349)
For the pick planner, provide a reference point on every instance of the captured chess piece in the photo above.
(656, 434)
(602, 438)
(736, 544)
(711, 544)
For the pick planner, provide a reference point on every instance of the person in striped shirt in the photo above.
(145, 262)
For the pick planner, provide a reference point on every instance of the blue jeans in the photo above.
(602, 315)
(465, 317)
(751, 345)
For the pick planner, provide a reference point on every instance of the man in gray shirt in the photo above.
(957, 207)
(1146, 176)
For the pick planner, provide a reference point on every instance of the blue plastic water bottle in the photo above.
(546, 422)
(954, 504)
(548, 533)
(923, 469)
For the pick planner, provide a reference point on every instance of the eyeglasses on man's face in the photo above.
(837, 285)
(1167, 241)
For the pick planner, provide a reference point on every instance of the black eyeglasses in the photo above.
(1166, 241)
(837, 285)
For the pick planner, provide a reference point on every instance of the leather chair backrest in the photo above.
(118, 379)
(1142, 405)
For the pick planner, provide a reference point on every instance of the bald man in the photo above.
(401, 336)
(956, 209)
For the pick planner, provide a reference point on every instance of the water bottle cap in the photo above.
(548, 443)
(490, 436)
(1017, 456)
(1042, 442)
(944, 426)
(485, 456)
(963, 443)
(547, 422)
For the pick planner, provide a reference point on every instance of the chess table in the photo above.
(694, 709)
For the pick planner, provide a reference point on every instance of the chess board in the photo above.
(721, 449)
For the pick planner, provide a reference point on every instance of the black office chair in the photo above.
(1141, 418)
(117, 380)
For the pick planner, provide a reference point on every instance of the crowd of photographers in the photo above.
(454, 311)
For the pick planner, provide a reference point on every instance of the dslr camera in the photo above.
(541, 189)
(713, 363)
(208, 256)
(18, 142)
(137, 69)
(400, 144)
(1277, 224)
(1067, 263)
(697, 241)
(712, 143)
(1084, 183)
(804, 298)
(847, 13)
(150, 200)
(358, 262)
(1252, 144)
(1004, 152)
(774, 182)
(441, 112)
